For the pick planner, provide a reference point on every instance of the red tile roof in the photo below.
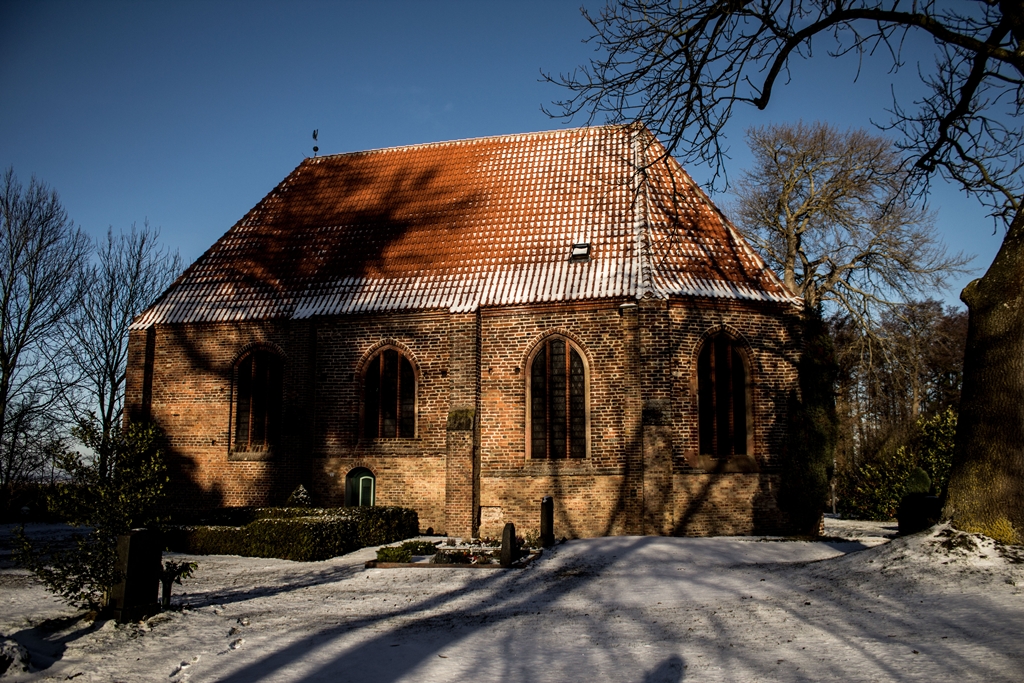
(481, 222)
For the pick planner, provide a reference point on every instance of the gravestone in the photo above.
(547, 521)
(917, 512)
(509, 549)
(136, 595)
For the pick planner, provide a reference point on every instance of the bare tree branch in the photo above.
(130, 271)
(41, 256)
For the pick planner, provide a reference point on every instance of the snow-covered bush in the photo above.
(299, 498)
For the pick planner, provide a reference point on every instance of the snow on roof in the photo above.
(469, 223)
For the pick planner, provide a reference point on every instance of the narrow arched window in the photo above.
(360, 488)
(557, 401)
(723, 402)
(389, 396)
(258, 380)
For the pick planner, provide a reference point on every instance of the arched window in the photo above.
(258, 382)
(557, 401)
(389, 396)
(360, 488)
(723, 400)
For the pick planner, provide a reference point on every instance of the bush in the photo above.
(934, 448)
(392, 554)
(112, 495)
(420, 547)
(918, 481)
(299, 498)
(301, 534)
(874, 490)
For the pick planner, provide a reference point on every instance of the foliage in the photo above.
(420, 547)
(301, 534)
(392, 554)
(874, 490)
(173, 571)
(82, 575)
(127, 497)
(918, 481)
(934, 447)
(813, 426)
(881, 396)
(299, 498)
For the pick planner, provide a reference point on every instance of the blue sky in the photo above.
(186, 114)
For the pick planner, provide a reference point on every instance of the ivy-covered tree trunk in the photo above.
(986, 487)
(813, 426)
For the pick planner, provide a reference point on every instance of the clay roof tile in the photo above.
(487, 221)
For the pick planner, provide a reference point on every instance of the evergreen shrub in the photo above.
(874, 490)
(420, 547)
(393, 554)
(107, 496)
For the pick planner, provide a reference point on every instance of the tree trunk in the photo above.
(986, 486)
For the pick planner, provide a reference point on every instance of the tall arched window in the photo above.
(557, 401)
(258, 383)
(389, 396)
(723, 400)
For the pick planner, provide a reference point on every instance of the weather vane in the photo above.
(315, 148)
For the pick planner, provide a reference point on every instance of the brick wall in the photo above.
(642, 473)
(187, 390)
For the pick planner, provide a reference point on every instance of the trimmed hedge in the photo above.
(302, 534)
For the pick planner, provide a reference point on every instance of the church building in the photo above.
(466, 327)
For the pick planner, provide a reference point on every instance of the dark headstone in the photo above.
(547, 521)
(917, 512)
(509, 549)
(136, 595)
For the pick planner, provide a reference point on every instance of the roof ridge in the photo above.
(484, 138)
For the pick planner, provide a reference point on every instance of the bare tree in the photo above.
(130, 271)
(682, 67)
(41, 256)
(829, 210)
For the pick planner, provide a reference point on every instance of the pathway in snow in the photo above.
(609, 609)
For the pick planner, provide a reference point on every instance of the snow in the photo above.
(623, 608)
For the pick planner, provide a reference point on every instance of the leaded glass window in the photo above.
(558, 402)
(258, 382)
(389, 397)
(722, 400)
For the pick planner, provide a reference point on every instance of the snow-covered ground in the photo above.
(609, 609)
